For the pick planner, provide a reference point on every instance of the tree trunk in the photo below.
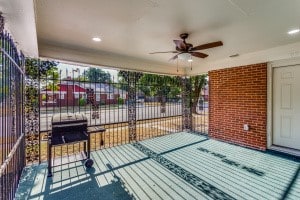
(196, 94)
(194, 107)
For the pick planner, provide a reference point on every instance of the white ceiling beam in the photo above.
(98, 58)
(289, 51)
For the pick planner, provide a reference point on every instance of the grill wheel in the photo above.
(88, 163)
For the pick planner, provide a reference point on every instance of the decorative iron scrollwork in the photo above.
(131, 78)
(32, 120)
(1, 22)
(186, 103)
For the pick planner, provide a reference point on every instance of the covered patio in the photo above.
(149, 99)
(177, 166)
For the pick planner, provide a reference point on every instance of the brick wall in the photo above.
(238, 96)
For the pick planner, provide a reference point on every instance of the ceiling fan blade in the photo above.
(180, 45)
(198, 54)
(207, 46)
(174, 57)
(164, 52)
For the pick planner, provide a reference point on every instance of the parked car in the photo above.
(140, 100)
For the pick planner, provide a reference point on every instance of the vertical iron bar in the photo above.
(11, 73)
(73, 89)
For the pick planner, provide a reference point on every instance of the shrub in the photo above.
(44, 97)
(82, 102)
(120, 101)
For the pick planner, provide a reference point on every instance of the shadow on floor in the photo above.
(90, 190)
(289, 187)
(182, 166)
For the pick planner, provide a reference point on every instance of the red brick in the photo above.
(238, 96)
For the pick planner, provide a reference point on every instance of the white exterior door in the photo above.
(286, 106)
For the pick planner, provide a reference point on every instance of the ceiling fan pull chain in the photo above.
(177, 63)
(191, 63)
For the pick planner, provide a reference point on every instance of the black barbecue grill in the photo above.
(69, 128)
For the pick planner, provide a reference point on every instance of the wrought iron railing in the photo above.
(11, 117)
(137, 106)
(125, 108)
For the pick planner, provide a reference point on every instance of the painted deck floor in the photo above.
(176, 166)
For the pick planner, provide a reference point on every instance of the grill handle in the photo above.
(85, 133)
(63, 139)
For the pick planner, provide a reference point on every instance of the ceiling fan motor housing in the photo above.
(186, 48)
(189, 46)
(184, 36)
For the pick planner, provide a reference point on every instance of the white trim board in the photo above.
(270, 69)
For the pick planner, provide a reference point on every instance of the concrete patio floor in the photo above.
(176, 166)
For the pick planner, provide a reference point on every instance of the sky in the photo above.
(69, 69)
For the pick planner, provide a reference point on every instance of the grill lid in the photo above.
(68, 118)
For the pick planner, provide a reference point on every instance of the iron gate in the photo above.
(11, 117)
(132, 106)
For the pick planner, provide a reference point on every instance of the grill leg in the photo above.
(88, 162)
(88, 146)
(102, 141)
(49, 158)
(84, 147)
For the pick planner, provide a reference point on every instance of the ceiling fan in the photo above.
(182, 47)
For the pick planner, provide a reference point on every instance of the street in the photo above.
(117, 115)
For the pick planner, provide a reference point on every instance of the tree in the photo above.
(174, 92)
(52, 79)
(97, 75)
(39, 71)
(155, 85)
(43, 70)
(197, 85)
(161, 86)
(169, 86)
(122, 83)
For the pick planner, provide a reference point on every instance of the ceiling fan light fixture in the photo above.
(294, 31)
(184, 56)
(96, 39)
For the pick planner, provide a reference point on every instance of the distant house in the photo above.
(119, 93)
(70, 93)
(104, 93)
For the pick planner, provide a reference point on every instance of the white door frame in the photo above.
(271, 66)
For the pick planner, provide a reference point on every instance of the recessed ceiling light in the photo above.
(234, 55)
(294, 31)
(190, 60)
(97, 39)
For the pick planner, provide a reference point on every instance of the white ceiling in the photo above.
(131, 29)
(20, 21)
